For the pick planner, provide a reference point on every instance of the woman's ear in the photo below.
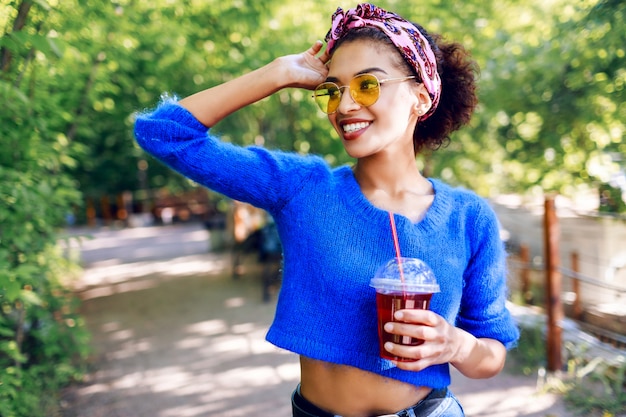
(423, 101)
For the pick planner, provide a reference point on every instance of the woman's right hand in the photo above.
(304, 70)
(307, 69)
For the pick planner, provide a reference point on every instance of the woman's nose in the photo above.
(346, 102)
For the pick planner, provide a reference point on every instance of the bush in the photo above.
(597, 387)
(591, 387)
(611, 199)
(42, 340)
(529, 355)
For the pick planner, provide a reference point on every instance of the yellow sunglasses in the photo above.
(364, 90)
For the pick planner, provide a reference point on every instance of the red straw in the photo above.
(396, 244)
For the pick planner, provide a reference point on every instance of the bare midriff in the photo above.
(351, 392)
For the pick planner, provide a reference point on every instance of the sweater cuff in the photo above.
(169, 109)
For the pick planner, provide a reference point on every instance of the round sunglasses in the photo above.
(364, 90)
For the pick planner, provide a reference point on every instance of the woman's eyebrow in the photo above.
(370, 70)
(364, 71)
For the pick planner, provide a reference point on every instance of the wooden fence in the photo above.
(161, 206)
(554, 274)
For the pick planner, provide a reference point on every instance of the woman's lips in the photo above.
(353, 129)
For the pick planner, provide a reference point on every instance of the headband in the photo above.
(410, 42)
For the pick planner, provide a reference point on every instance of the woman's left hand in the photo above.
(307, 69)
(441, 340)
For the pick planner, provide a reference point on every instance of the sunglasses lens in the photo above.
(365, 89)
(327, 97)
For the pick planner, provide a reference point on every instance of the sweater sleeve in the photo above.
(266, 179)
(483, 310)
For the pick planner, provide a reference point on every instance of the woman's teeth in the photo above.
(353, 127)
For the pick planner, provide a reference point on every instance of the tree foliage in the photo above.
(552, 92)
(40, 334)
(551, 86)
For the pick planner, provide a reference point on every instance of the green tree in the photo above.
(552, 93)
(551, 85)
(40, 334)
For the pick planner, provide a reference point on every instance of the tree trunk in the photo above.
(20, 21)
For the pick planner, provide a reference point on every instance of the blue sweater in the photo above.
(334, 239)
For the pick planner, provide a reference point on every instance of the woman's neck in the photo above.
(391, 176)
(398, 187)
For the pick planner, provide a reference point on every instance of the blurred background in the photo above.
(73, 75)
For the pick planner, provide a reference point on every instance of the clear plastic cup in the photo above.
(411, 287)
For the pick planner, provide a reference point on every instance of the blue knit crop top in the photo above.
(334, 239)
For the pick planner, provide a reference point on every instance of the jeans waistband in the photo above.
(304, 408)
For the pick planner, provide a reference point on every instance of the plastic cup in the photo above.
(408, 284)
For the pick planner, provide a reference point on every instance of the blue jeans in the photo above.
(439, 403)
(448, 407)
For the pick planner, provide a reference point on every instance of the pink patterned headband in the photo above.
(413, 46)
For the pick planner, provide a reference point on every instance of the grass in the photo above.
(590, 387)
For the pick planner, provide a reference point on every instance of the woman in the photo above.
(390, 91)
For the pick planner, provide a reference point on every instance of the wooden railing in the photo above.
(553, 287)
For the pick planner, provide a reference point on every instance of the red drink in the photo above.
(401, 283)
(387, 304)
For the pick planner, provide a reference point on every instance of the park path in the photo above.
(175, 336)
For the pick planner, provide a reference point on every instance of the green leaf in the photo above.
(55, 47)
(7, 332)
(37, 41)
(12, 290)
(30, 298)
(43, 4)
(8, 91)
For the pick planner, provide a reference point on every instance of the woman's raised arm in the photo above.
(304, 70)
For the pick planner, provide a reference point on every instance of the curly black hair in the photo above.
(458, 74)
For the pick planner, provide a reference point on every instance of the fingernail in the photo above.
(389, 346)
(388, 327)
(398, 315)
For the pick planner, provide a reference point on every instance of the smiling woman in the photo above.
(390, 90)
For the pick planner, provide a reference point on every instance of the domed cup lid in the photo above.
(406, 275)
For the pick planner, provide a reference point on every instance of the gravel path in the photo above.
(175, 335)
